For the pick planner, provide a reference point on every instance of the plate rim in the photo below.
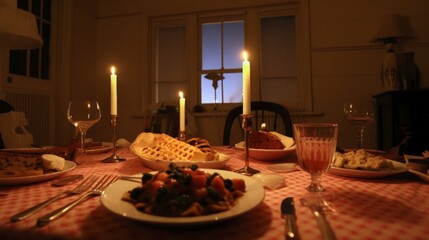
(257, 195)
(358, 173)
(106, 146)
(10, 181)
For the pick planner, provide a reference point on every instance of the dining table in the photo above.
(389, 207)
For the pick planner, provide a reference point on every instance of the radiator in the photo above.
(36, 110)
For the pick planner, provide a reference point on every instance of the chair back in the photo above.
(166, 120)
(275, 116)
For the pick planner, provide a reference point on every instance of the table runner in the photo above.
(395, 207)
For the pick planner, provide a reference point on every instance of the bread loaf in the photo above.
(264, 140)
(164, 147)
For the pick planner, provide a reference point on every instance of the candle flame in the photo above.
(181, 94)
(112, 70)
(244, 55)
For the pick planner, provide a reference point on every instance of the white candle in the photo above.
(246, 84)
(182, 112)
(113, 93)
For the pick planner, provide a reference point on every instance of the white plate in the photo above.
(8, 181)
(161, 165)
(267, 154)
(358, 173)
(111, 199)
(424, 177)
(31, 150)
(105, 147)
(283, 167)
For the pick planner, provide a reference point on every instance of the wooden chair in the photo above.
(166, 120)
(275, 116)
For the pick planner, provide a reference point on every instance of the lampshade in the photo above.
(18, 29)
(391, 29)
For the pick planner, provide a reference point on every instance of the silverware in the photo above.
(96, 191)
(130, 178)
(316, 207)
(288, 213)
(66, 180)
(78, 189)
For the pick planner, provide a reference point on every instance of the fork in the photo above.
(95, 191)
(317, 208)
(83, 186)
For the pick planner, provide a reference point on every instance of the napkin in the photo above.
(286, 141)
(270, 181)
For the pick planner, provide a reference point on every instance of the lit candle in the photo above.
(182, 112)
(113, 93)
(246, 84)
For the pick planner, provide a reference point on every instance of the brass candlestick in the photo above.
(113, 158)
(182, 136)
(247, 127)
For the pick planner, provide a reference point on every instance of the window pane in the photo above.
(23, 4)
(278, 55)
(45, 51)
(35, 7)
(231, 85)
(47, 10)
(171, 64)
(34, 63)
(211, 46)
(17, 62)
(233, 40)
(170, 92)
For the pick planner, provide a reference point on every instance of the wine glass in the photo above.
(315, 148)
(83, 114)
(360, 115)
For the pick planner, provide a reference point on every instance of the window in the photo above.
(34, 63)
(279, 81)
(208, 53)
(221, 74)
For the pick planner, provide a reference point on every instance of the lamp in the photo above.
(390, 31)
(18, 28)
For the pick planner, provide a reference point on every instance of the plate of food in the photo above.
(116, 199)
(30, 150)
(24, 169)
(364, 164)
(268, 146)
(98, 147)
(158, 150)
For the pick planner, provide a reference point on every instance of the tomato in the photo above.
(218, 184)
(155, 185)
(199, 194)
(239, 184)
(161, 176)
(198, 181)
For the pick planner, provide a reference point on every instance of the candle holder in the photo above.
(182, 136)
(247, 127)
(113, 158)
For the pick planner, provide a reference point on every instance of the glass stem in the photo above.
(315, 185)
(360, 137)
(82, 141)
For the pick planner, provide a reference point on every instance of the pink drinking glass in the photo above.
(315, 148)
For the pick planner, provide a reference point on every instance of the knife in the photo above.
(288, 213)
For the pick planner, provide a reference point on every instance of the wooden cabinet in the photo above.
(402, 114)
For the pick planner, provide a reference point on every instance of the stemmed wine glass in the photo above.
(315, 148)
(360, 115)
(83, 114)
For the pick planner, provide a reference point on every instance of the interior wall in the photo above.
(345, 66)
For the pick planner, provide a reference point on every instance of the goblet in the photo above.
(359, 115)
(315, 148)
(83, 114)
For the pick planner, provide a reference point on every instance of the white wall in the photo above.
(344, 64)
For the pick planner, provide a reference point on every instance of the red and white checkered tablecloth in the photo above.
(395, 207)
